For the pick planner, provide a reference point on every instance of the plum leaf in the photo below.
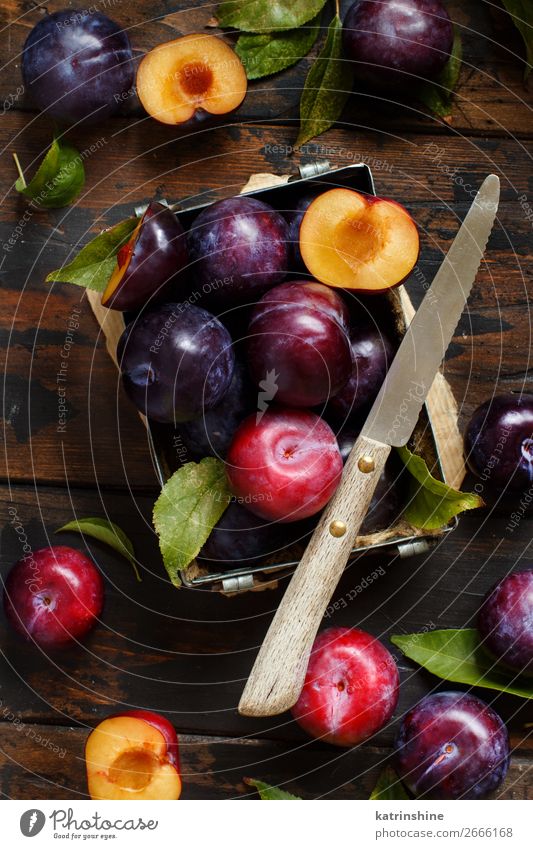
(188, 508)
(432, 504)
(521, 12)
(94, 264)
(458, 655)
(268, 53)
(105, 531)
(59, 178)
(327, 87)
(388, 787)
(438, 95)
(269, 793)
(267, 15)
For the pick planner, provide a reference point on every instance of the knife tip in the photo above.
(489, 192)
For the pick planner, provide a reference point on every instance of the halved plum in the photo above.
(148, 264)
(358, 242)
(191, 73)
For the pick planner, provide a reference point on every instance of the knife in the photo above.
(279, 671)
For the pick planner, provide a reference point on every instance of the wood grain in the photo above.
(104, 443)
(43, 762)
(490, 99)
(187, 654)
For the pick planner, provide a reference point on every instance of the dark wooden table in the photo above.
(187, 653)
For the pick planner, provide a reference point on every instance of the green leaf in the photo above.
(94, 264)
(267, 15)
(107, 532)
(521, 12)
(59, 178)
(191, 503)
(438, 95)
(327, 87)
(267, 54)
(389, 786)
(268, 792)
(459, 656)
(432, 504)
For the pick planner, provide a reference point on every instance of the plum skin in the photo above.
(294, 218)
(242, 539)
(163, 725)
(372, 355)
(452, 745)
(308, 293)
(176, 361)
(499, 442)
(351, 687)
(286, 466)
(243, 241)
(54, 596)
(85, 58)
(159, 254)
(211, 434)
(505, 621)
(295, 336)
(394, 42)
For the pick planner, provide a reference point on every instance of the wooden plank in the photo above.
(187, 653)
(43, 762)
(491, 98)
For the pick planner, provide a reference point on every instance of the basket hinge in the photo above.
(409, 549)
(238, 584)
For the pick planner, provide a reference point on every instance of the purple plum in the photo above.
(77, 65)
(505, 621)
(499, 442)
(452, 746)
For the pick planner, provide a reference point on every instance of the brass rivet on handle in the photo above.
(366, 464)
(337, 528)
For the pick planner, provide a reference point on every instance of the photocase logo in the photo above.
(32, 822)
(268, 387)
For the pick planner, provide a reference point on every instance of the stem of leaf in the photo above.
(19, 169)
(338, 8)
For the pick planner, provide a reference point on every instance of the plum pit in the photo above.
(133, 770)
(196, 79)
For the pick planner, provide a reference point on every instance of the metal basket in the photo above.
(438, 422)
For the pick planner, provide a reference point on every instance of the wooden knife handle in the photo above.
(277, 677)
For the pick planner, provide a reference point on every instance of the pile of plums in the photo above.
(245, 339)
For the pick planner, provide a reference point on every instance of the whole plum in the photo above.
(149, 263)
(452, 746)
(372, 355)
(176, 361)
(54, 597)
(211, 434)
(351, 687)
(505, 621)
(238, 248)
(298, 348)
(284, 465)
(77, 65)
(397, 42)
